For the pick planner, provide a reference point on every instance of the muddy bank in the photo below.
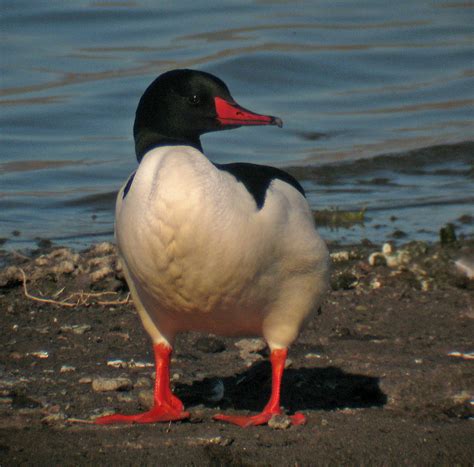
(384, 373)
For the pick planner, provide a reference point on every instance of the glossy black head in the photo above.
(181, 105)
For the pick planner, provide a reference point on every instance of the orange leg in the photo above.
(277, 359)
(167, 407)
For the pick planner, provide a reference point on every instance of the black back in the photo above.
(257, 178)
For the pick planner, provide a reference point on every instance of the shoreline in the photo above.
(384, 374)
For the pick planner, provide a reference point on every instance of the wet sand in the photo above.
(384, 373)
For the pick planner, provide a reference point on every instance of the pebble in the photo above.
(340, 256)
(85, 380)
(250, 345)
(42, 354)
(210, 345)
(279, 422)
(145, 397)
(375, 283)
(117, 363)
(111, 384)
(344, 281)
(67, 369)
(211, 440)
(377, 259)
(250, 358)
(11, 276)
(64, 267)
(217, 391)
(104, 248)
(100, 274)
(54, 418)
(143, 382)
(78, 329)
(124, 397)
(312, 355)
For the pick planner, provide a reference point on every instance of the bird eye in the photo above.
(194, 100)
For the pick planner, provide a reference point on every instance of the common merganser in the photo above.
(228, 249)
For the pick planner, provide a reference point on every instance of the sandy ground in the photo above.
(384, 373)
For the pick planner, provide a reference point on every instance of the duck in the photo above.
(224, 249)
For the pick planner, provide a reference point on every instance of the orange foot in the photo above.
(160, 413)
(261, 419)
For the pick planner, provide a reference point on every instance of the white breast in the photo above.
(202, 256)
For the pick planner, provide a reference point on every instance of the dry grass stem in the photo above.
(75, 299)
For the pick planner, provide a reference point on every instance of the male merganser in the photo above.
(229, 249)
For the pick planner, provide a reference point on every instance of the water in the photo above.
(352, 81)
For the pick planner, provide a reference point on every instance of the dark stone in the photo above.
(447, 234)
(344, 281)
(210, 345)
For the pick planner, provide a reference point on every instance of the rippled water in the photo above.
(352, 81)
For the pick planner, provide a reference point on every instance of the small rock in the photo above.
(61, 253)
(111, 384)
(85, 380)
(100, 274)
(375, 283)
(217, 391)
(250, 358)
(212, 440)
(11, 277)
(250, 345)
(42, 354)
(78, 329)
(426, 284)
(117, 363)
(44, 243)
(67, 369)
(361, 308)
(118, 265)
(210, 345)
(344, 281)
(312, 355)
(104, 248)
(466, 219)
(124, 397)
(64, 267)
(340, 256)
(465, 266)
(279, 422)
(41, 261)
(377, 259)
(54, 418)
(447, 234)
(143, 382)
(398, 234)
(134, 364)
(145, 397)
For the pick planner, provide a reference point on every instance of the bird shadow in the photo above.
(326, 388)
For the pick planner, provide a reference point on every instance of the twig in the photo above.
(80, 298)
(80, 420)
(42, 300)
(125, 301)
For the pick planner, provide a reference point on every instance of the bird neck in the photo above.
(145, 140)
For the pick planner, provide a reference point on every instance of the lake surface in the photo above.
(377, 100)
